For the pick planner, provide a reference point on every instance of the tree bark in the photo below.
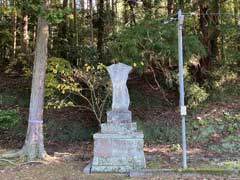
(91, 19)
(64, 24)
(169, 7)
(14, 31)
(125, 12)
(25, 36)
(209, 31)
(236, 12)
(34, 145)
(75, 24)
(100, 35)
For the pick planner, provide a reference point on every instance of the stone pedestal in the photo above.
(119, 147)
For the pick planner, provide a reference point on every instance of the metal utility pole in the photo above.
(183, 109)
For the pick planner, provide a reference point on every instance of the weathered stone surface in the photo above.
(118, 128)
(119, 116)
(119, 75)
(136, 135)
(126, 152)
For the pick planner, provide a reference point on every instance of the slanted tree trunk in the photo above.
(34, 146)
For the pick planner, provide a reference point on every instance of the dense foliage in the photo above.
(142, 34)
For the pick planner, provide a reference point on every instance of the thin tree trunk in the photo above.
(236, 11)
(34, 34)
(64, 24)
(34, 146)
(100, 48)
(91, 19)
(125, 12)
(76, 28)
(14, 31)
(169, 7)
(208, 27)
(82, 10)
(147, 6)
(25, 37)
(113, 16)
(132, 15)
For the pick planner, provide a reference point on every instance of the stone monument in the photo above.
(118, 147)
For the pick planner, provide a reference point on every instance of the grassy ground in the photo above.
(68, 164)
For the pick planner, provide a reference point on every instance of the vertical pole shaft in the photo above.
(181, 88)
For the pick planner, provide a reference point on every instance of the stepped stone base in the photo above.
(118, 152)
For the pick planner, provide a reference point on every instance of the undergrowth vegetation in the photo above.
(218, 134)
(161, 132)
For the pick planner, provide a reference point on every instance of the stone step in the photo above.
(119, 116)
(134, 135)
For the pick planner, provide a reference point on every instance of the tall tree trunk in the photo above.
(34, 146)
(181, 4)
(75, 24)
(25, 36)
(114, 15)
(62, 37)
(14, 31)
(236, 11)
(107, 5)
(82, 11)
(125, 12)
(64, 23)
(100, 35)
(169, 7)
(209, 31)
(147, 6)
(132, 14)
(91, 21)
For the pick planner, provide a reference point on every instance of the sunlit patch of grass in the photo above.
(229, 165)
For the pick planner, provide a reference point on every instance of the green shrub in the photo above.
(8, 119)
(195, 95)
(87, 87)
